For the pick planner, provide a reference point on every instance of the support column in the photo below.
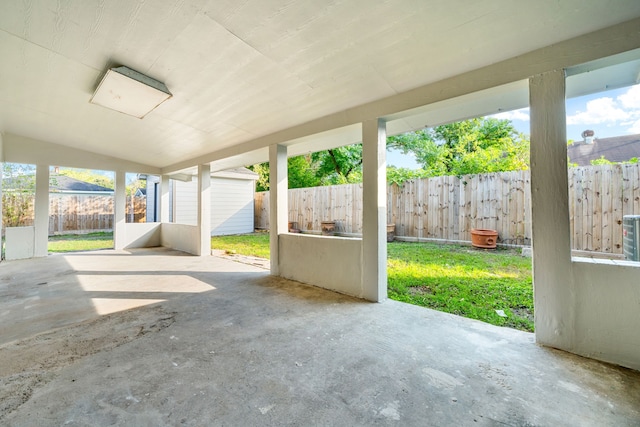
(163, 215)
(204, 209)
(554, 294)
(278, 202)
(119, 210)
(41, 208)
(374, 213)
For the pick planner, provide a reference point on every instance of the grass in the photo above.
(455, 279)
(464, 281)
(254, 244)
(81, 242)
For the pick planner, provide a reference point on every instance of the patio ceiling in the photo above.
(240, 71)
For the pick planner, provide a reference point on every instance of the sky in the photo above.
(612, 113)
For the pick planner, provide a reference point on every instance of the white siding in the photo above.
(231, 205)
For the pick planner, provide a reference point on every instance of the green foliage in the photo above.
(18, 177)
(400, 175)
(254, 244)
(88, 175)
(471, 146)
(601, 161)
(17, 208)
(81, 242)
(342, 165)
(19, 183)
(463, 281)
(300, 170)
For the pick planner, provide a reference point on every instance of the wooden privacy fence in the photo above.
(448, 207)
(69, 213)
(83, 212)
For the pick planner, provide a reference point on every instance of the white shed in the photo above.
(232, 194)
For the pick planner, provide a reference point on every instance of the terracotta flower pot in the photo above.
(483, 238)
(391, 232)
(328, 228)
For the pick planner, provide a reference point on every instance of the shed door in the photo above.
(231, 206)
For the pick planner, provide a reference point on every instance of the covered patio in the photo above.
(217, 342)
(237, 84)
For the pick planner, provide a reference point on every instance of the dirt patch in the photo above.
(244, 259)
(31, 363)
(420, 290)
(525, 313)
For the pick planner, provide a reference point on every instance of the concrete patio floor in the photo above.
(210, 341)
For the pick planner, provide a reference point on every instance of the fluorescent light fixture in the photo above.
(130, 92)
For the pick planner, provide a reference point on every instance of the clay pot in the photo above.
(483, 238)
(391, 232)
(328, 228)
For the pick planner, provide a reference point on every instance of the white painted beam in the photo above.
(119, 210)
(278, 202)
(374, 210)
(20, 149)
(204, 209)
(41, 209)
(554, 293)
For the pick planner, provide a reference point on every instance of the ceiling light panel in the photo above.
(130, 92)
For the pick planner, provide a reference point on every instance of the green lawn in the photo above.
(462, 280)
(81, 242)
(254, 244)
(455, 279)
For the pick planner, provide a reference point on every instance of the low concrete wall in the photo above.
(180, 237)
(607, 310)
(20, 243)
(333, 263)
(142, 235)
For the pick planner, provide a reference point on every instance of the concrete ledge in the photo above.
(333, 263)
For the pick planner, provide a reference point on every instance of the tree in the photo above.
(19, 184)
(300, 171)
(342, 165)
(467, 147)
(88, 175)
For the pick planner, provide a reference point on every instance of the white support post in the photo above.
(554, 294)
(374, 213)
(204, 209)
(120, 209)
(41, 208)
(163, 215)
(278, 202)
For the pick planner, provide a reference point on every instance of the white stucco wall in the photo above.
(333, 263)
(607, 309)
(142, 235)
(19, 242)
(181, 237)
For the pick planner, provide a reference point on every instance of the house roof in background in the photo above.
(614, 149)
(65, 184)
